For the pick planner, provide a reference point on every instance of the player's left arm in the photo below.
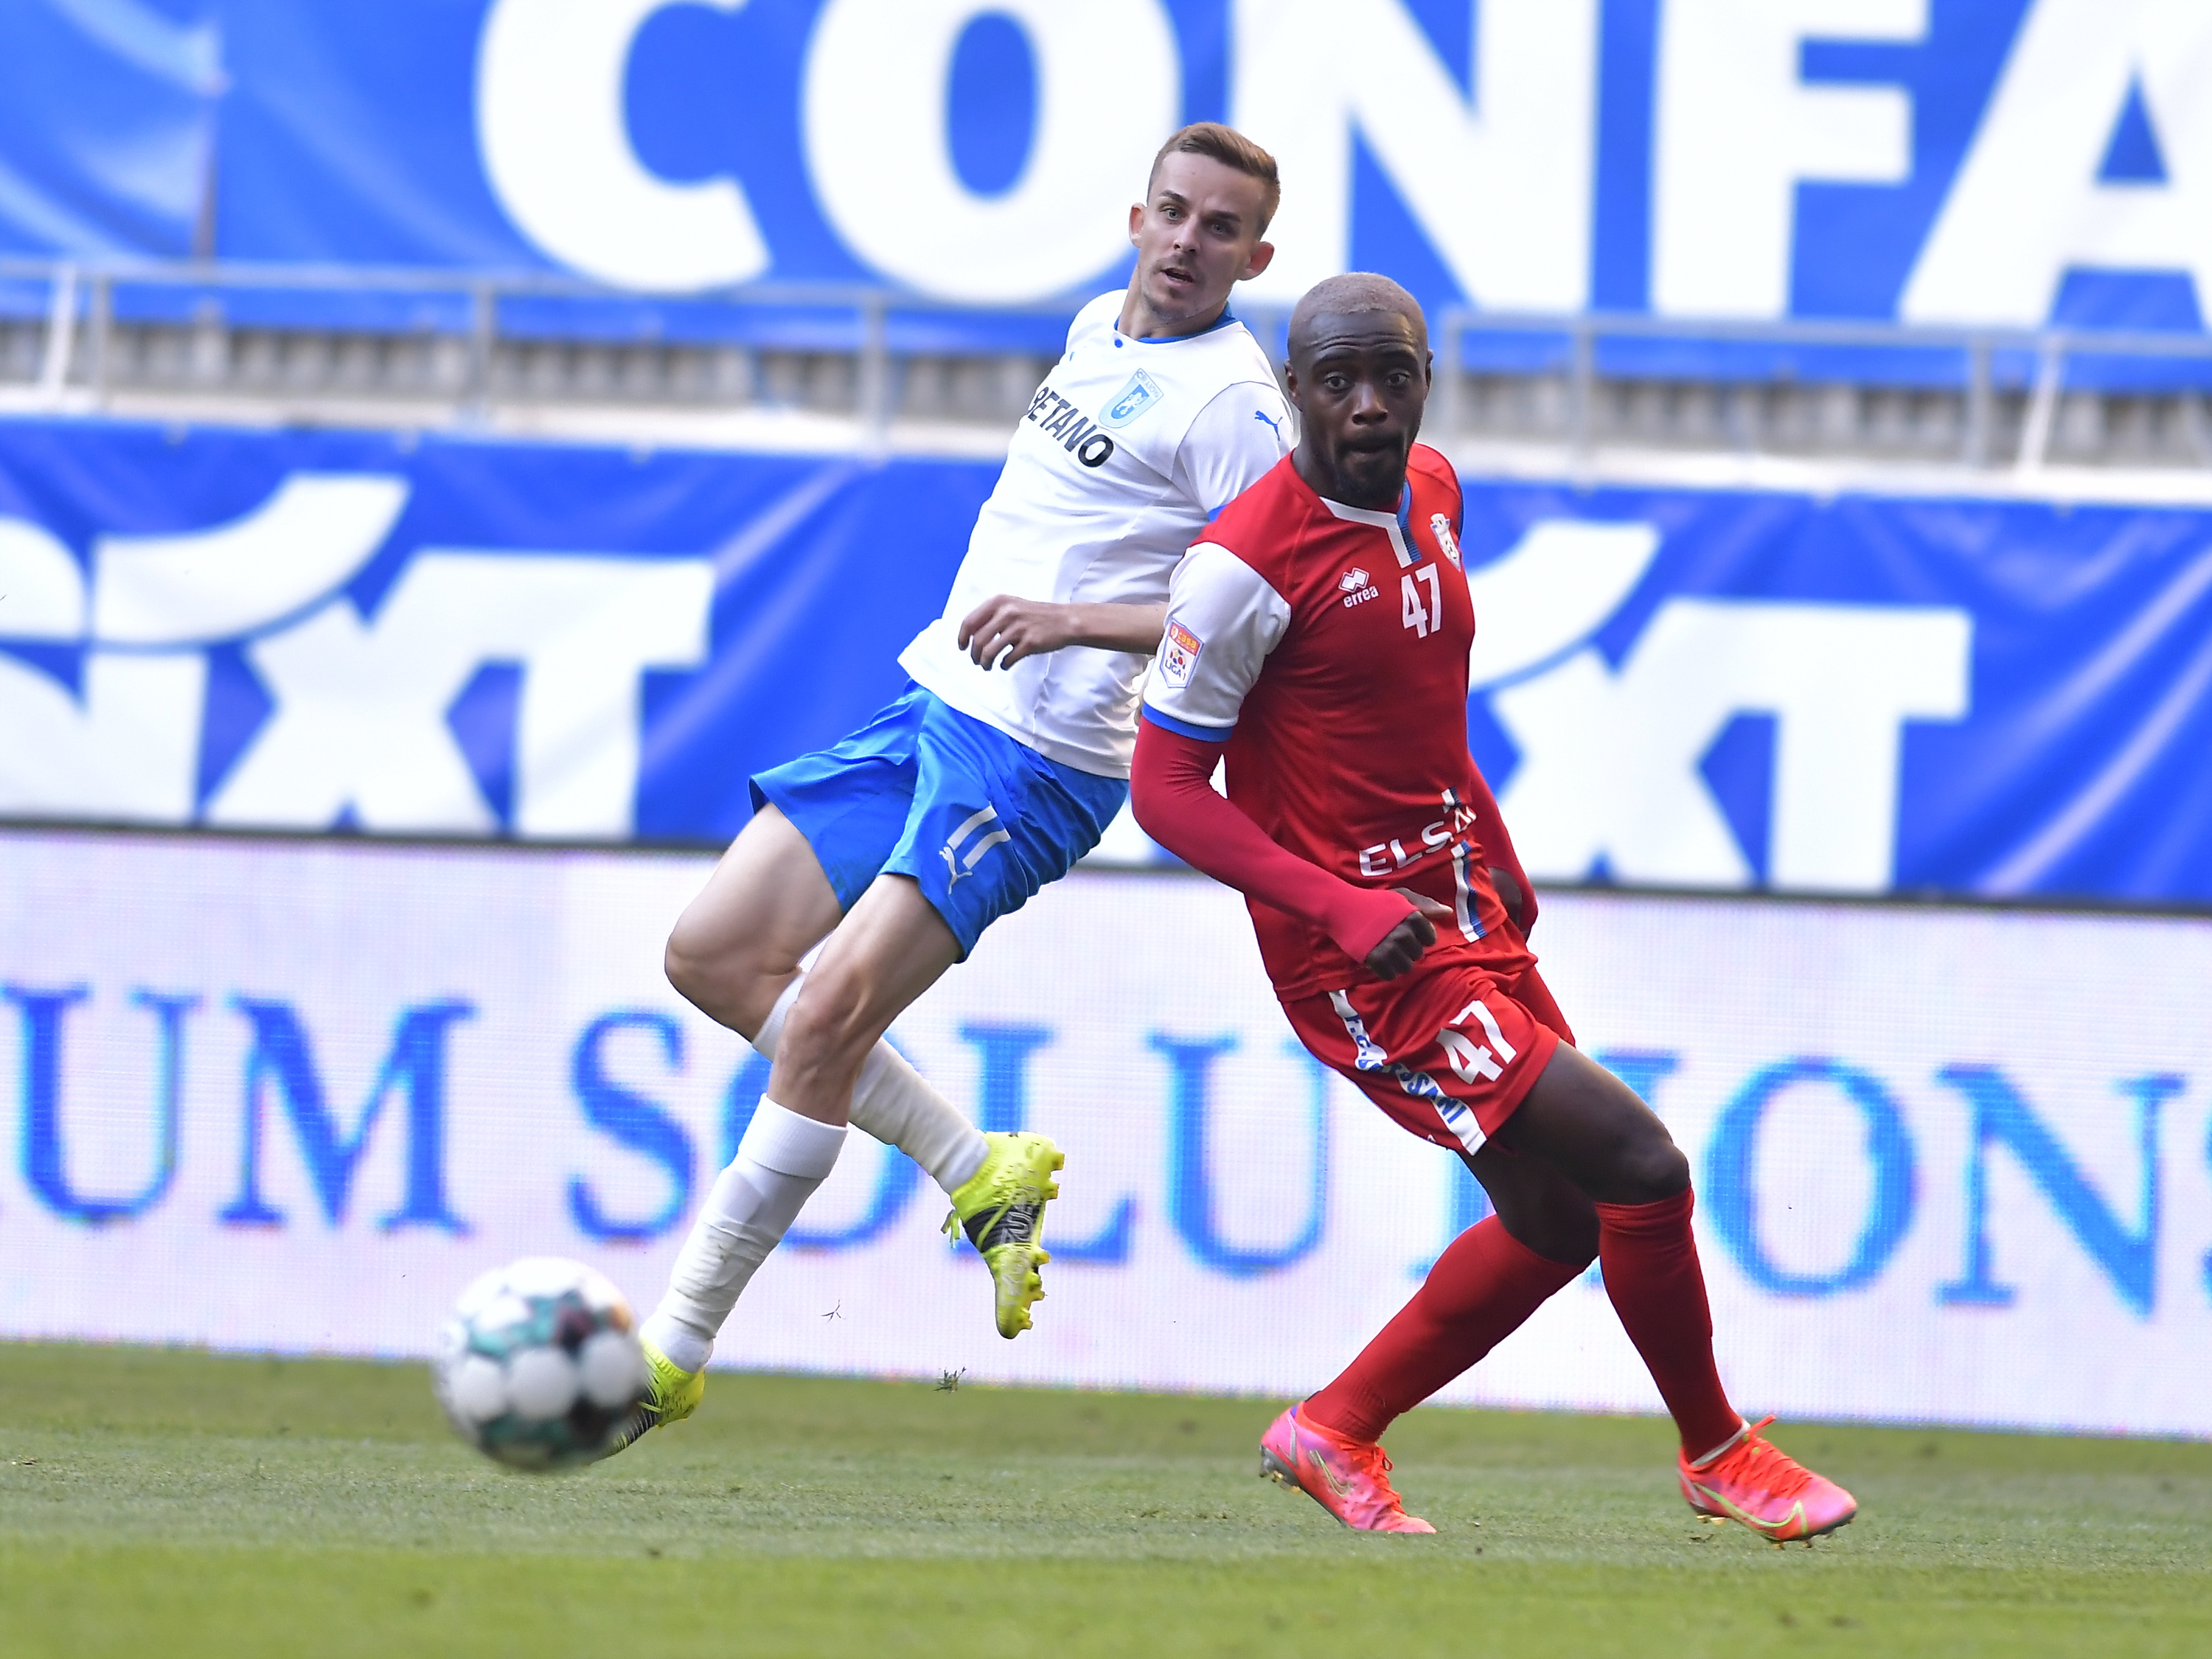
(1171, 792)
(1235, 442)
(1003, 629)
(1224, 622)
(1515, 890)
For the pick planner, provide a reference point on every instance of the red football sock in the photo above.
(1483, 1288)
(1651, 1274)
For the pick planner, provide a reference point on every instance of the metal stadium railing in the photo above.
(1976, 395)
(422, 347)
(92, 335)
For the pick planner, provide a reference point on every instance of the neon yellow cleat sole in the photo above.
(676, 1393)
(1001, 1209)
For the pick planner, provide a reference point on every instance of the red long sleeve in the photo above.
(1171, 790)
(1498, 849)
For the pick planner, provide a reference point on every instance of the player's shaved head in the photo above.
(1359, 376)
(1357, 293)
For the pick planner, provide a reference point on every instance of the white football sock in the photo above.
(780, 1160)
(895, 1105)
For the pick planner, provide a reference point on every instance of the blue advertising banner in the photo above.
(342, 631)
(1673, 688)
(1714, 688)
(107, 126)
(1989, 162)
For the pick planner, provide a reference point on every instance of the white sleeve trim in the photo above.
(1223, 619)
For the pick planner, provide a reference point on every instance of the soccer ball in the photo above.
(539, 1364)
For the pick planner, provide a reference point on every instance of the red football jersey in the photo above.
(1328, 645)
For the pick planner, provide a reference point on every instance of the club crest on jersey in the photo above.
(1442, 526)
(1179, 655)
(1131, 400)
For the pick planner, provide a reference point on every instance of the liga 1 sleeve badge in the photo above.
(1179, 655)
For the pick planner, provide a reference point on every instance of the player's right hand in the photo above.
(1003, 629)
(1401, 947)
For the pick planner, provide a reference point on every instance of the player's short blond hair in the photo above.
(1232, 149)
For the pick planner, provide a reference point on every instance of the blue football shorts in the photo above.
(979, 820)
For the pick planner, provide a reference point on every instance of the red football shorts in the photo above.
(1447, 1051)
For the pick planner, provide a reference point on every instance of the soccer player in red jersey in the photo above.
(1318, 635)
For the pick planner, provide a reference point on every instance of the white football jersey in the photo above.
(1129, 449)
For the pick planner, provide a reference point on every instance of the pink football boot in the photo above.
(1773, 1494)
(1350, 1479)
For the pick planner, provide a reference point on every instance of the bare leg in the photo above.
(1589, 1126)
(1541, 1208)
(892, 947)
(735, 955)
(738, 943)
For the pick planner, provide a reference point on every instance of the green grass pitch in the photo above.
(177, 1505)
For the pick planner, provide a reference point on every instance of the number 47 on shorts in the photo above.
(1471, 1060)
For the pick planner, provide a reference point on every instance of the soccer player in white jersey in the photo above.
(998, 766)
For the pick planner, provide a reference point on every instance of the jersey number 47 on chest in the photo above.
(1416, 613)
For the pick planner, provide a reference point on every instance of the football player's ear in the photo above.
(1263, 255)
(1136, 221)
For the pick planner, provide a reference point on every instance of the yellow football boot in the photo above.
(675, 1395)
(1001, 1209)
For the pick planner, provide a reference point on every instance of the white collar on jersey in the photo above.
(1223, 320)
(1392, 524)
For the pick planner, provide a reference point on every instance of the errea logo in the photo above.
(1355, 584)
